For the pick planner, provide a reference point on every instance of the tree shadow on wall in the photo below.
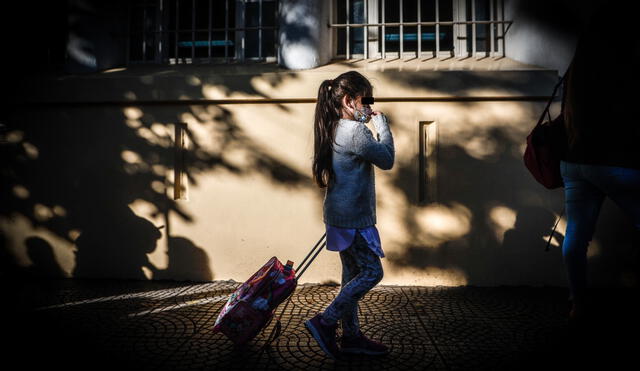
(477, 241)
(74, 170)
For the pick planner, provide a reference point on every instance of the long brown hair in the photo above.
(327, 116)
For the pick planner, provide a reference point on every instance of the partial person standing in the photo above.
(603, 154)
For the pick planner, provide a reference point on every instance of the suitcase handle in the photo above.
(298, 275)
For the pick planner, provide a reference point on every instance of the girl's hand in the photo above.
(378, 113)
(381, 120)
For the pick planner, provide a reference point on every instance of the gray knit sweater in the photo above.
(350, 201)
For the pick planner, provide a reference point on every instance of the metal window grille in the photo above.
(202, 31)
(418, 28)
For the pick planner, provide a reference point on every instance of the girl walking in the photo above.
(344, 154)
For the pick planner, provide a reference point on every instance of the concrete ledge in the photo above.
(268, 83)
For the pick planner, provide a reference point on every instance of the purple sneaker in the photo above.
(360, 344)
(324, 335)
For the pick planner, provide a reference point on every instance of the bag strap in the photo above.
(553, 96)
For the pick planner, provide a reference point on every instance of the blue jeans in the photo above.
(585, 187)
(361, 271)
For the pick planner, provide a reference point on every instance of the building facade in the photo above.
(174, 140)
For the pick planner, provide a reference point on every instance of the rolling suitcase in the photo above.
(252, 306)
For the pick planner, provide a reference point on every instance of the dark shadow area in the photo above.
(458, 328)
(564, 18)
(8, 264)
(116, 245)
(614, 256)
(603, 341)
(330, 283)
(187, 262)
(522, 246)
(43, 260)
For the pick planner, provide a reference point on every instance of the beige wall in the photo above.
(251, 195)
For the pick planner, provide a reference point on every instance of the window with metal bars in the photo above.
(418, 28)
(202, 31)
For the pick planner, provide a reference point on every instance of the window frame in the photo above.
(460, 20)
(165, 38)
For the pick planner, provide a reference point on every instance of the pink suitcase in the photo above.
(252, 306)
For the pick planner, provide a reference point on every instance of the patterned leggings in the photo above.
(361, 271)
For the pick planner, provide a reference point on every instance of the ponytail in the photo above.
(326, 119)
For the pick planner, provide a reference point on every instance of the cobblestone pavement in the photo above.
(165, 325)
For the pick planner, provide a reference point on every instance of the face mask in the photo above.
(362, 116)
